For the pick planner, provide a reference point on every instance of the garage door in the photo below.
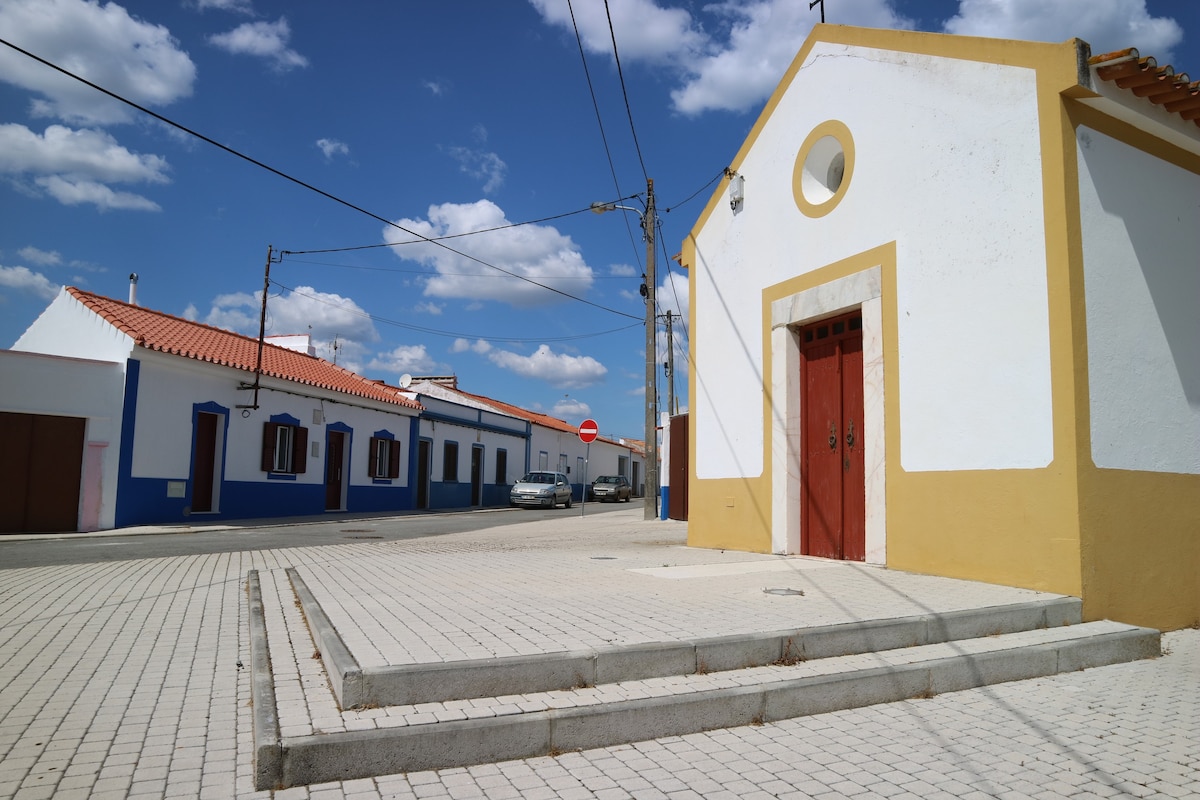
(40, 468)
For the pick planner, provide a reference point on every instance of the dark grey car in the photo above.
(612, 487)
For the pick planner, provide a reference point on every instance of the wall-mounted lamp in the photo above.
(737, 191)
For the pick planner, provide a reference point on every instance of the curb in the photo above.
(268, 749)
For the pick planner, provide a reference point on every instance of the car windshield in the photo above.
(538, 477)
(608, 479)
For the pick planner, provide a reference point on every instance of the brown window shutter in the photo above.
(372, 451)
(299, 450)
(394, 459)
(268, 446)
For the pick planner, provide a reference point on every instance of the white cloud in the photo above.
(1106, 25)
(406, 358)
(74, 166)
(79, 153)
(557, 369)
(436, 88)
(24, 279)
(569, 408)
(332, 147)
(72, 192)
(267, 40)
(763, 39)
(43, 258)
(623, 271)
(484, 166)
(236, 6)
(672, 295)
(642, 28)
(322, 315)
(480, 346)
(535, 252)
(431, 308)
(102, 43)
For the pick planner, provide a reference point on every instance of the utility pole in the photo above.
(651, 499)
(670, 365)
(652, 364)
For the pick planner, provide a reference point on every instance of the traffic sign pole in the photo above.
(588, 431)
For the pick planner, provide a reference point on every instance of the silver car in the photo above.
(542, 488)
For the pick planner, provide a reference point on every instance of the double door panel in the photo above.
(832, 470)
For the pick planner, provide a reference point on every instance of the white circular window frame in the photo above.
(823, 170)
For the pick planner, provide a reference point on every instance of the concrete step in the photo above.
(358, 687)
(588, 717)
(645, 692)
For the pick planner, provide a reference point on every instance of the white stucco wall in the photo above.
(93, 390)
(947, 165)
(68, 328)
(1140, 219)
(169, 386)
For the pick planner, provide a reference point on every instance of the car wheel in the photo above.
(568, 503)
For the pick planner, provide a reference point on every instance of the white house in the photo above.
(550, 443)
(945, 320)
(180, 421)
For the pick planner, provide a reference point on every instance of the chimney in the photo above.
(133, 288)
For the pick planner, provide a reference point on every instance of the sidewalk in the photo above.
(131, 679)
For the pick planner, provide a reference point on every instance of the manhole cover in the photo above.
(604, 558)
(785, 592)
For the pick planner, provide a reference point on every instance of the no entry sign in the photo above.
(588, 431)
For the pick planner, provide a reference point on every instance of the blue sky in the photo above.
(445, 117)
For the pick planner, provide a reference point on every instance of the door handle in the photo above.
(850, 435)
(832, 436)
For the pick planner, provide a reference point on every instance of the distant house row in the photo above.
(117, 415)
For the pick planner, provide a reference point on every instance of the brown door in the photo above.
(204, 462)
(334, 473)
(677, 498)
(424, 455)
(476, 476)
(41, 462)
(832, 469)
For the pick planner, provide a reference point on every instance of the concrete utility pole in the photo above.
(651, 498)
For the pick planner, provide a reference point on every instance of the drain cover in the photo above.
(357, 530)
(785, 592)
(604, 558)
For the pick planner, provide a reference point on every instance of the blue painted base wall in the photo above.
(144, 501)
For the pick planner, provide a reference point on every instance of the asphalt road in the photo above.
(51, 549)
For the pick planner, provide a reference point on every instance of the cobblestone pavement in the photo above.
(125, 679)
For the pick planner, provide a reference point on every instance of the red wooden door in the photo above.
(832, 469)
(333, 471)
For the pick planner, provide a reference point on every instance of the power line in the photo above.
(621, 77)
(600, 123)
(301, 183)
(449, 334)
(434, 274)
(692, 197)
(443, 238)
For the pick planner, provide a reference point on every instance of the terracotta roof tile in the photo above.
(547, 421)
(1142, 77)
(155, 330)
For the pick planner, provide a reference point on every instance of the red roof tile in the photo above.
(155, 330)
(1142, 76)
(547, 421)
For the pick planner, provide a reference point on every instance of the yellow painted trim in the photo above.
(834, 129)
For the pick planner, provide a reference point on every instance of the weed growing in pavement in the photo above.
(791, 655)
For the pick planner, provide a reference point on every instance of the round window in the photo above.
(823, 169)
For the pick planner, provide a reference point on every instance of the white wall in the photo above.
(1141, 236)
(68, 328)
(947, 166)
(57, 386)
(169, 386)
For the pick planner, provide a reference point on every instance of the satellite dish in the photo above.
(405, 381)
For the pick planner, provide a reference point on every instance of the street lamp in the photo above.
(650, 501)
